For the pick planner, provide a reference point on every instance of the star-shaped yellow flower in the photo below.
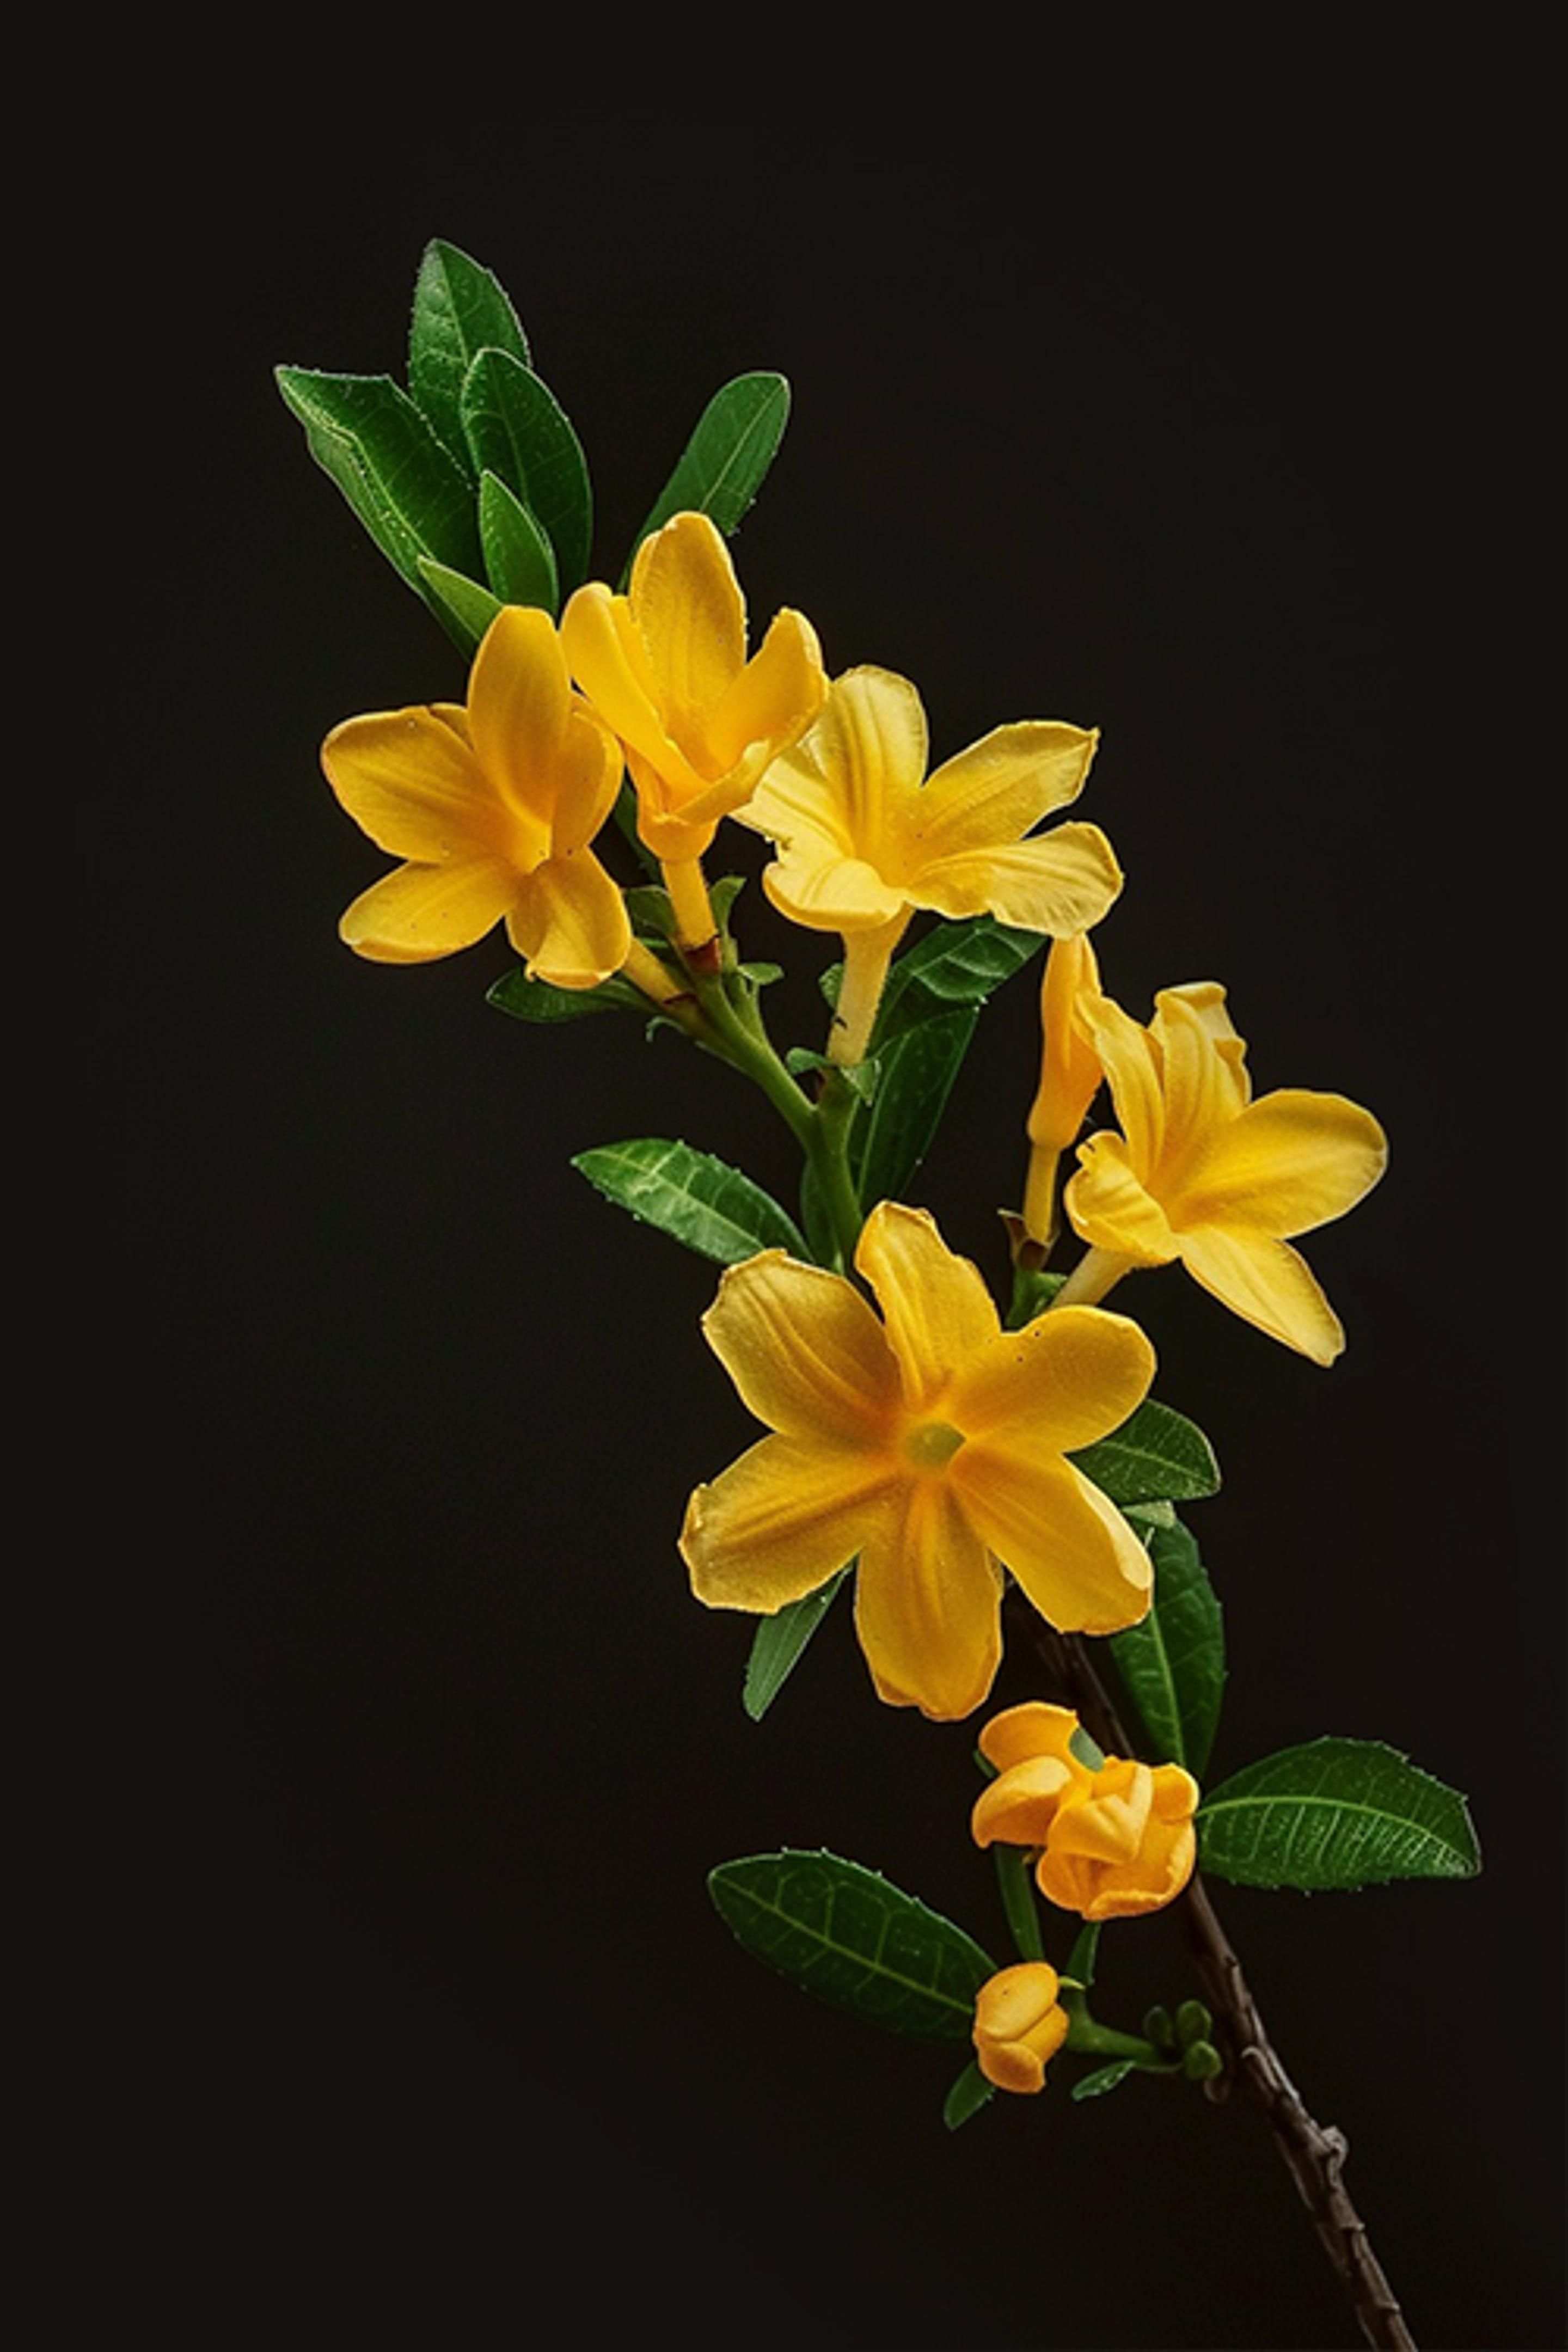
(666, 666)
(1203, 1173)
(494, 806)
(865, 837)
(929, 1442)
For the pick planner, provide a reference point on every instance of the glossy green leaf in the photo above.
(1084, 1956)
(1172, 1663)
(731, 446)
(1015, 1885)
(967, 2097)
(915, 1070)
(1335, 1814)
(1103, 2079)
(459, 309)
(701, 1200)
(410, 495)
(780, 1640)
(464, 609)
(542, 1002)
(514, 426)
(954, 963)
(1155, 1455)
(518, 556)
(843, 1933)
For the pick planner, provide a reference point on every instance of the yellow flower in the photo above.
(1112, 1842)
(1019, 2025)
(1203, 1173)
(1069, 1076)
(865, 837)
(494, 807)
(929, 1442)
(666, 666)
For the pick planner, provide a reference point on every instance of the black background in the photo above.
(1178, 395)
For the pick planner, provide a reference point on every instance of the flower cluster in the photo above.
(1112, 1840)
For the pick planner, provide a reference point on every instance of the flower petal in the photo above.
(774, 699)
(1291, 1160)
(1060, 883)
(686, 606)
(1267, 1283)
(1002, 786)
(1033, 1729)
(1070, 1070)
(1131, 1060)
(1202, 1079)
(609, 663)
(588, 777)
(421, 912)
(937, 1309)
(779, 1522)
(805, 1351)
(928, 1605)
(1070, 1377)
(409, 781)
(570, 922)
(1108, 1207)
(830, 894)
(870, 741)
(519, 697)
(1069, 1548)
(1019, 1807)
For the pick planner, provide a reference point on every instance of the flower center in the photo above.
(931, 1445)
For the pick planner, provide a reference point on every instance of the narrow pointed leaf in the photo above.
(1171, 1662)
(459, 309)
(518, 556)
(710, 1207)
(967, 2097)
(731, 446)
(540, 1001)
(1103, 2079)
(464, 609)
(513, 425)
(1085, 1953)
(915, 1070)
(954, 963)
(1335, 1814)
(1155, 1455)
(410, 495)
(778, 1642)
(844, 1934)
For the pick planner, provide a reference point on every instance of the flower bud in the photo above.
(1019, 2023)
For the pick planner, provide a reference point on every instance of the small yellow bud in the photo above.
(1019, 2024)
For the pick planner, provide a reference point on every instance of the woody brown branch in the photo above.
(1314, 2153)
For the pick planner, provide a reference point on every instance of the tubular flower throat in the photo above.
(1203, 1173)
(1112, 1842)
(1019, 2025)
(929, 1442)
(666, 666)
(493, 806)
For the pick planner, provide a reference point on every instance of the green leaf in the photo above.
(779, 1641)
(459, 307)
(1151, 1515)
(731, 446)
(1173, 1662)
(1085, 1953)
(514, 426)
(916, 1069)
(845, 1935)
(1103, 2079)
(542, 1002)
(518, 556)
(816, 1219)
(1155, 1455)
(954, 963)
(410, 495)
(1335, 1814)
(967, 2097)
(702, 1202)
(1016, 1885)
(464, 609)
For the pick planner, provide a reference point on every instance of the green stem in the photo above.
(827, 1150)
(744, 1044)
(1104, 2041)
